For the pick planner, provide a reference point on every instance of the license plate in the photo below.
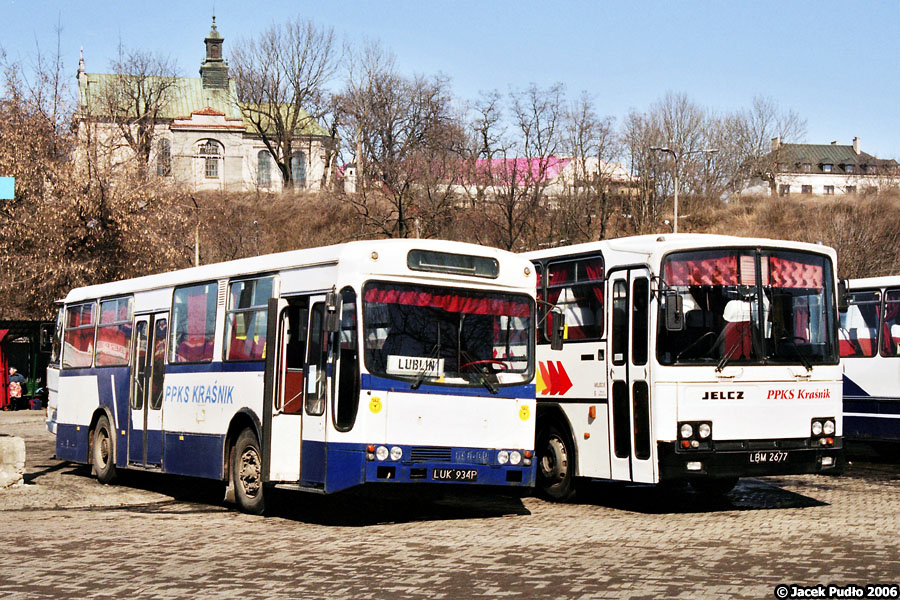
(454, 474)
(774, 456)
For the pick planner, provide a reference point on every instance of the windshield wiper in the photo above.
(728, 355)
(803, 359)
(487, 383)
(435, 352)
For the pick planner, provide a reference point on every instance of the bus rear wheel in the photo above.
(102, 455)
(246, 474)
(556, 464)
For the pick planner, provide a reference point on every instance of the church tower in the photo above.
(214, 70)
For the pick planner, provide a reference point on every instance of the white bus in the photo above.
(377, 361)
(870, 354)
(698, 358)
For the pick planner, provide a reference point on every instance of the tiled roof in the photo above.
(791, 157)
(186, 96)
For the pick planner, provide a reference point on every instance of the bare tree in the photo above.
(134, 98)
(280, 80)
(521, 171)
(402, 130)
(586, 204)
(754, 131)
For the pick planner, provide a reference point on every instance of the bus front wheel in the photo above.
(104, 464)
(246, 474)
(556, 464)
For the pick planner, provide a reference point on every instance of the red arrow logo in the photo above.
(555, 378)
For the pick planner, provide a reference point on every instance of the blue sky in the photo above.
(832, 62)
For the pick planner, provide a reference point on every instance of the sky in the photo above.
(833, 63)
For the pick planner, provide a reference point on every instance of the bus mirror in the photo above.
(843, 296)
(332, 317)
(46, 339)
(558, 322)
(674, 311)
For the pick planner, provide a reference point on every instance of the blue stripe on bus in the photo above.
(852, 389)
(347, 467)
(218, 367)
(197, 455)
(383, 384)
(72, 442)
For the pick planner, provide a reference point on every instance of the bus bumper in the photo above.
(747, 462)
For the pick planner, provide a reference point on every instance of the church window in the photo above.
(164, 158)
(298, 169)
(210, 153)
(264, 168)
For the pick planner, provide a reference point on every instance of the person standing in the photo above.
(16, 388)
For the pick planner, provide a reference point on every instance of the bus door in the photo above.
(145, 436)
(629, 359)
(295, 389)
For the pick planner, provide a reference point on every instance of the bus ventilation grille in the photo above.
(426, 453)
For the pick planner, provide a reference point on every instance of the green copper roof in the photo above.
(187, 95)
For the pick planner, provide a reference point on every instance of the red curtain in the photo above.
(450, 302)
(787, 273)
(721, 270)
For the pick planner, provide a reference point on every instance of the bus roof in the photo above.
(644, 247)
(874, 282)
(348, 255)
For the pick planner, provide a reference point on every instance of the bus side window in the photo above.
(297, 316)
(890, 334)
(347, 397)
(317, 357)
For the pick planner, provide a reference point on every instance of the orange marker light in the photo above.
(685, 444)
(370, 448)
(528, 454)
(592, 412)
(587, 435)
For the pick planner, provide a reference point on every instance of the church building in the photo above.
(199, 137)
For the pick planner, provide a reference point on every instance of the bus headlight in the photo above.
(396, 453)
(817, 427)
(686, 430)
(381, 453)
(515, 457)
(704, 430)
(828, 427)
(503, 457)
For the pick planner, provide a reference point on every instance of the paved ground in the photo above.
(65, 536)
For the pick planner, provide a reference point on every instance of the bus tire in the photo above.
(555, 464)
(102, 451)
(246, 474)
(714, 487)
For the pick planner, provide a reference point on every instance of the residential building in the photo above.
(199, 137)
(823, 170)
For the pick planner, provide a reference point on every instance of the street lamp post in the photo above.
(677, 157)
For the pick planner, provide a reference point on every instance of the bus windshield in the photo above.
(447, 336)
(749, 307)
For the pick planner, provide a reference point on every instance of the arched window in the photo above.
(211, 154)
(164, 158)
(298, 169)
(263, 168)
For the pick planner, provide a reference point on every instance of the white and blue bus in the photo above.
(870, 354)
(385, 361)
(699, 358)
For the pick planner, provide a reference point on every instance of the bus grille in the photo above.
(426, 453)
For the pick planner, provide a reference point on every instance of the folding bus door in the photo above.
(629, 406)
(145, 436)
(295, 390)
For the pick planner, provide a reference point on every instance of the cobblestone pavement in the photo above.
(65, 536)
